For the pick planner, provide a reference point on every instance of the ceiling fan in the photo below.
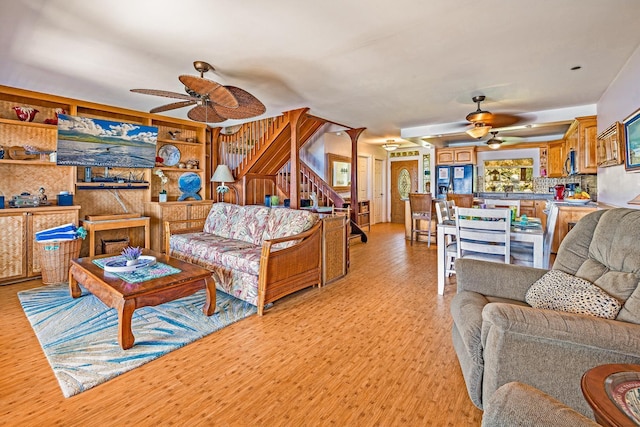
(213, 102)
(483, 121)
(494, 143)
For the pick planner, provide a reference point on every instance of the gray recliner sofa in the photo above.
(499, 338)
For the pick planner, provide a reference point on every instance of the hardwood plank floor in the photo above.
(373, 348)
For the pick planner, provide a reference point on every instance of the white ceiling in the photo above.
(405, 65)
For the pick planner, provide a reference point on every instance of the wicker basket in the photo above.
(114, 246)
(55, 258)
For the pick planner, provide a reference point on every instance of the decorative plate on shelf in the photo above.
(189, 183)
(170, 154)
(577, 201)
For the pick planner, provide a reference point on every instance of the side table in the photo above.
(113, 224)
(605, 410)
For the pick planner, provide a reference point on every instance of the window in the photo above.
(508, 175)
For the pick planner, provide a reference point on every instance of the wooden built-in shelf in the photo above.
(176, 141)
(175, 169)
(112, 185)
(32, 124)
(29, 162)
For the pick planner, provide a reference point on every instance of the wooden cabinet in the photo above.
(581, 137)
(456, 156)
(528, 208)
(171, 211)
(555, 159)
(567, 215)
(18, 253)
(610, 146)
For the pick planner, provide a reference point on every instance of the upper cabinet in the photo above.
(555, 159)
(581, 137)
(610, 149)
(456, 156)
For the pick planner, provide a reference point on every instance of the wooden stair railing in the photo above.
(309, 182)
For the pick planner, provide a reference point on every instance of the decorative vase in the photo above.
(26, 114)
(132, 262)
(162, 197)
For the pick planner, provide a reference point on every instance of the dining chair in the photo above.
(523, 252)
(420, 205)
(451, 248)
(499, 203)
(462, 200)
(484, 234)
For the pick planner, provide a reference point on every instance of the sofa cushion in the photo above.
(245, 259)
(557, 290)
(204, 246)
(288, 222)
(246, 223)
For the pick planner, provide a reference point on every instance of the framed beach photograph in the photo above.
(632, 141)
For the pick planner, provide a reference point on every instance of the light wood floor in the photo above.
(373, 348)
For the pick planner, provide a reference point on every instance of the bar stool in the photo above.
(420, 204)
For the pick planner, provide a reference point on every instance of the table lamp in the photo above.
(222, 175)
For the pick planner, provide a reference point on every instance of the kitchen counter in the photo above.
(515, 196)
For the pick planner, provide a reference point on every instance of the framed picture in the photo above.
(632, 141)
(339, 172)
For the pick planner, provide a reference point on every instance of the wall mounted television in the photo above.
(84, 141)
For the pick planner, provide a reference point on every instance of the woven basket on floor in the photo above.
(55, 258)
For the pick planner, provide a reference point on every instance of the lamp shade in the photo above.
(390, 147)
(479, 130)
(222, 174)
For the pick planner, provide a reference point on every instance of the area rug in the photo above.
(80, 336)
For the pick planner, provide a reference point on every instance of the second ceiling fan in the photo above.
(484, 121)
(213, 102)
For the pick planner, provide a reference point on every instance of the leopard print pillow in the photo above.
(559, 291)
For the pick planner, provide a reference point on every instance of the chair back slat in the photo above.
(484, 234)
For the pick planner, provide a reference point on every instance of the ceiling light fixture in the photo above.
(391, 145)
(479, 130)
(494, 143)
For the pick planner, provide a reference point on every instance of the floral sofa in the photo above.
(255, 253)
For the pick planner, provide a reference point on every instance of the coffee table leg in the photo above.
(210, 304)
(125, 312)
(73, 284)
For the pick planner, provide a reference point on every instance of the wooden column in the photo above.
(354, 134)
(295, 118)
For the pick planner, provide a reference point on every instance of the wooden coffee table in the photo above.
(126, 297)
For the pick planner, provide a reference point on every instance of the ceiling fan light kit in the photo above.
(479, 130)
(391, 145)
(213, 102)
(494, 143)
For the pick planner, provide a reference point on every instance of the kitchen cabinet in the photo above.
(19, 259)
(456, 156)
(173, 211)
(581, 137)
(567, 215)
(610, 146)
(555, 159)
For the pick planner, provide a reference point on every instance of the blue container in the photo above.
(65, 199)
(1, 202)
(267, 200)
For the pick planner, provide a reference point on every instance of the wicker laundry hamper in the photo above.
(55, 258)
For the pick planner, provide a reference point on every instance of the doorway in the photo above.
(404, 180)
(378, 191)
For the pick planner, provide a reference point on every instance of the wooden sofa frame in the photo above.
(283, 271)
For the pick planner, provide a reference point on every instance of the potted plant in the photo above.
(162, 197)
(132, 254)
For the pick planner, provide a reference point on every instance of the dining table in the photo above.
(532, 232)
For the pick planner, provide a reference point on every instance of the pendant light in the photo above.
(494, 143)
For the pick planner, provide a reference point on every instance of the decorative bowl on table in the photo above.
(577, 201)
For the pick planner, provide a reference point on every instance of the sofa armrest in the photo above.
(569, 328)
(181, 226)
(495, 279)
(517, 404)
(551, 350)
(287, 270)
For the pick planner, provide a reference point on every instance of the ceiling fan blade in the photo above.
(248, 105)
(217, 93)
(171, 106)
(204, 113)
(502, 120)
(164, 93)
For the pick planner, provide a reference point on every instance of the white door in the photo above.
(378, 191)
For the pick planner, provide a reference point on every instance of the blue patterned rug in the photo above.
(80, 336)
